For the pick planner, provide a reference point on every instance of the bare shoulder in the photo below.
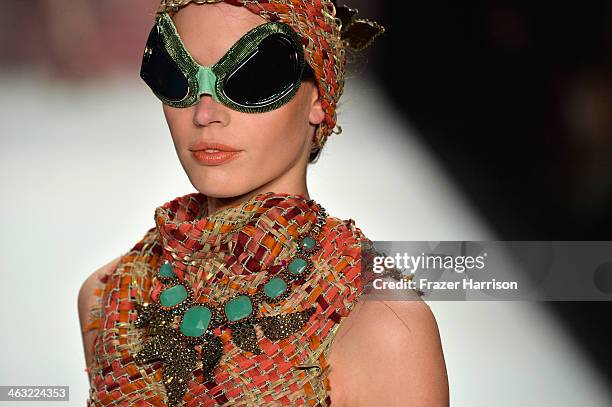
(389, 353)
(87, 288)
(87, 300)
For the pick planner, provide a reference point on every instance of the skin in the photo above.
(388, 353)
(404, 364)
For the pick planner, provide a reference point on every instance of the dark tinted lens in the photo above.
(160, 72)
(266, 75)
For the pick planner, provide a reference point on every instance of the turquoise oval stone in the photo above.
(166, 271)
(275, 287)
(308, 243)
(195, 321)
(173, 296)
(238, 308)
(297, 266)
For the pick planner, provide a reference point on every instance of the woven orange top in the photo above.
(218, 255)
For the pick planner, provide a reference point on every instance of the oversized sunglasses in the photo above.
(262, 71)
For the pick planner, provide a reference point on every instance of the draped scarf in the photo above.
(218, 255)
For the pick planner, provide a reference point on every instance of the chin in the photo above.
(229, 181)
(220, 185)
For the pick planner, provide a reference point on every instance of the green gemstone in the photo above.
(166, 271)
(297, 266)
(238, 308)
(275, 287)
(195, 321)
(308, 243)
(173, 295)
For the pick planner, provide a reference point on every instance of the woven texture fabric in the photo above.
(316, 23)
(232, 250)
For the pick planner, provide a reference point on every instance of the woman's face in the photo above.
(273, 147)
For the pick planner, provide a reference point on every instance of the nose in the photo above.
(208, 112)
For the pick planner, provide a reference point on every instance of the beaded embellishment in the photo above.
(178, 326)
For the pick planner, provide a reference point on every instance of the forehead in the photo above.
(209, 30)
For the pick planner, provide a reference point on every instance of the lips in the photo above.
(212, 147)
(208, 153)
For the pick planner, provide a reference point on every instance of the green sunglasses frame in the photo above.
(209, 80)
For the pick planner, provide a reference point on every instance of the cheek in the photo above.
(279, 133)
(276, 138)
(179, 123)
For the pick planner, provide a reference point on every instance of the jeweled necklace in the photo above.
(177, 324)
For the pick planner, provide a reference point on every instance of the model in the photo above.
(246, 293)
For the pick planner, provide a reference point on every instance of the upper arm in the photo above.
(404, 362)
(87, 300)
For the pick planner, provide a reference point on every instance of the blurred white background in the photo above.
(84, 165)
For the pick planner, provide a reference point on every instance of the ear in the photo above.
(317, 114)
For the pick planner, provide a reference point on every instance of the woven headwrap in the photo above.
(321, 31)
